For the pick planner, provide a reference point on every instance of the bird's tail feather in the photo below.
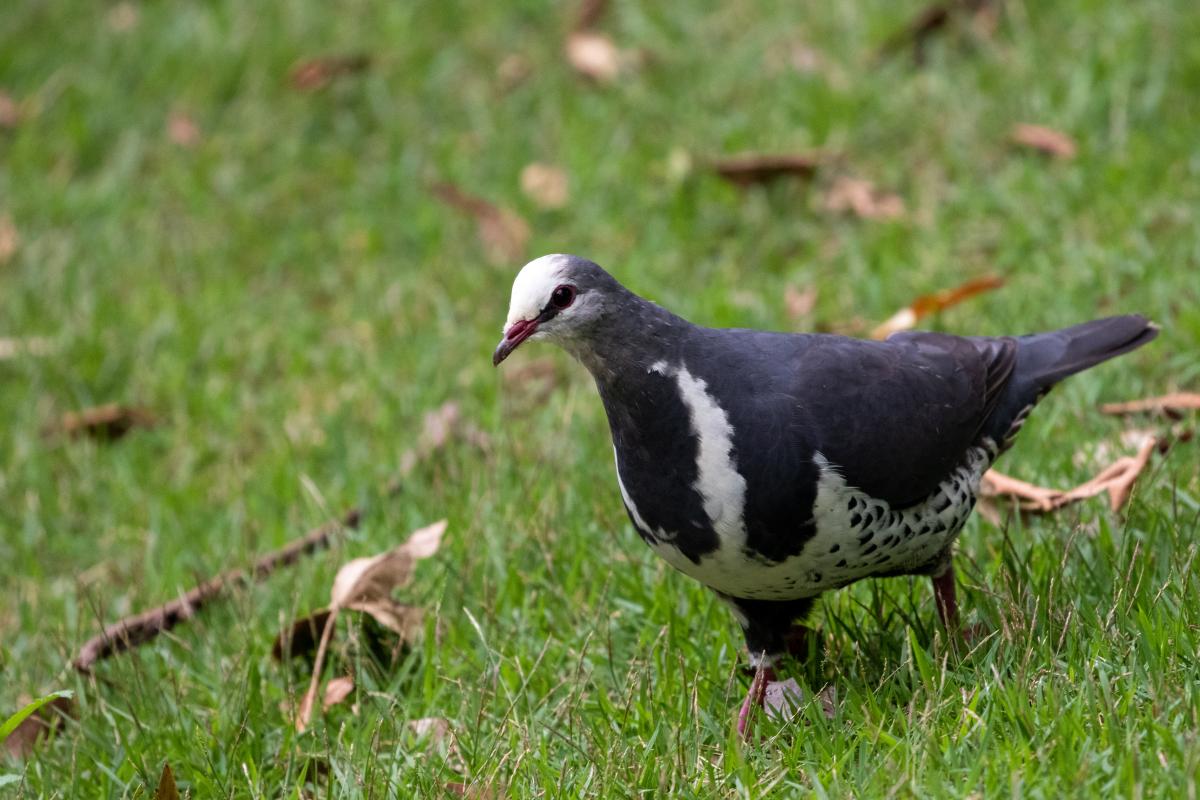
(1044, 359)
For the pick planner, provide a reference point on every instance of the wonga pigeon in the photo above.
(772, 467)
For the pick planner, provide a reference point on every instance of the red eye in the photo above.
(562, 296)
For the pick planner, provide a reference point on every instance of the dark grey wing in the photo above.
(897, 417)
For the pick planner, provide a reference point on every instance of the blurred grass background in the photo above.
(280, 287)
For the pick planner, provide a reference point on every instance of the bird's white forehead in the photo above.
(531, 290)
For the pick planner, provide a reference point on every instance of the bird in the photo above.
(772, 467)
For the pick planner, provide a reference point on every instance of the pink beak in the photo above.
(518, 332)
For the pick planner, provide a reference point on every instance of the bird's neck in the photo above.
(621, 348)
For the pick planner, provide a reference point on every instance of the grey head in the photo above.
(572, 302)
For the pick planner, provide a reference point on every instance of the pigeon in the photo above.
(772, 467)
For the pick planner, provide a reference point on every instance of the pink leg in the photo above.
(763, 675)
(947, 603)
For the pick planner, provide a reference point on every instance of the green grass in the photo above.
(289, 299)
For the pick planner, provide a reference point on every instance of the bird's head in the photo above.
(555, 297)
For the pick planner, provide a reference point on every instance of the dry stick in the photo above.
(138, 628)
(135, 629)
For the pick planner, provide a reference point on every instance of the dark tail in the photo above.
(1044, 359)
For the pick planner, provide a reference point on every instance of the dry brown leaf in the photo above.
(828, 700)
(10, 240)
(108, 422)
(1044, 140)
(747, 169)
(10, 112)
(799, 302)
(512, 71)
(1117, 480)
(589, 14)
(336, 691)
(438, 426)
(934, 18)
(302, 637)
(503, 233)
(861, 198)
(182, 129)
(317, 73)
(368, 581)
(167, 790)
(545, 184)
(932, 303)
(1171, 405)
(122, 18)
(593, 55)
(41, 724)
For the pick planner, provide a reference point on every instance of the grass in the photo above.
(289, 300)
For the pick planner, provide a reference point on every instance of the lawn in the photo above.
(270, 272)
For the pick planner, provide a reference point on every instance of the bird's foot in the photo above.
(763, 675)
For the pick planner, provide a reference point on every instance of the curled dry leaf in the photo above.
(1172, 406)
(746, 169)
(368, 582)
(9, 239)
(860, 198)
(593, 55)
(110, 421)
(182, 129)
(503, 233)
(166, 790)
(1044, 140)
(10, 112)
(928, 304)
(336, 691)
(1117, 480)
(545, 184)
(317, 73)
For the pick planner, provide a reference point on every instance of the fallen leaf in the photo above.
(503, 233)
(37, 720)
(336, 691)
(934, 18)
(109, 422)
(861, 198)
(368, 582)
(1171, 406)
(10, 112)
(545, 184)
(28, 346)
(167, 790)
(589, 14)
(9, 239)
(122, 17)
(1117, 480)
(783, 699)
(302, 637)
(1044, 140)
(799, 302)
(317, 73)
(747, 169)
(593, 55)
(439, 424)
(435, 728)
(512, 71)
(828, 700)
(182, 129)
(932, 303)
